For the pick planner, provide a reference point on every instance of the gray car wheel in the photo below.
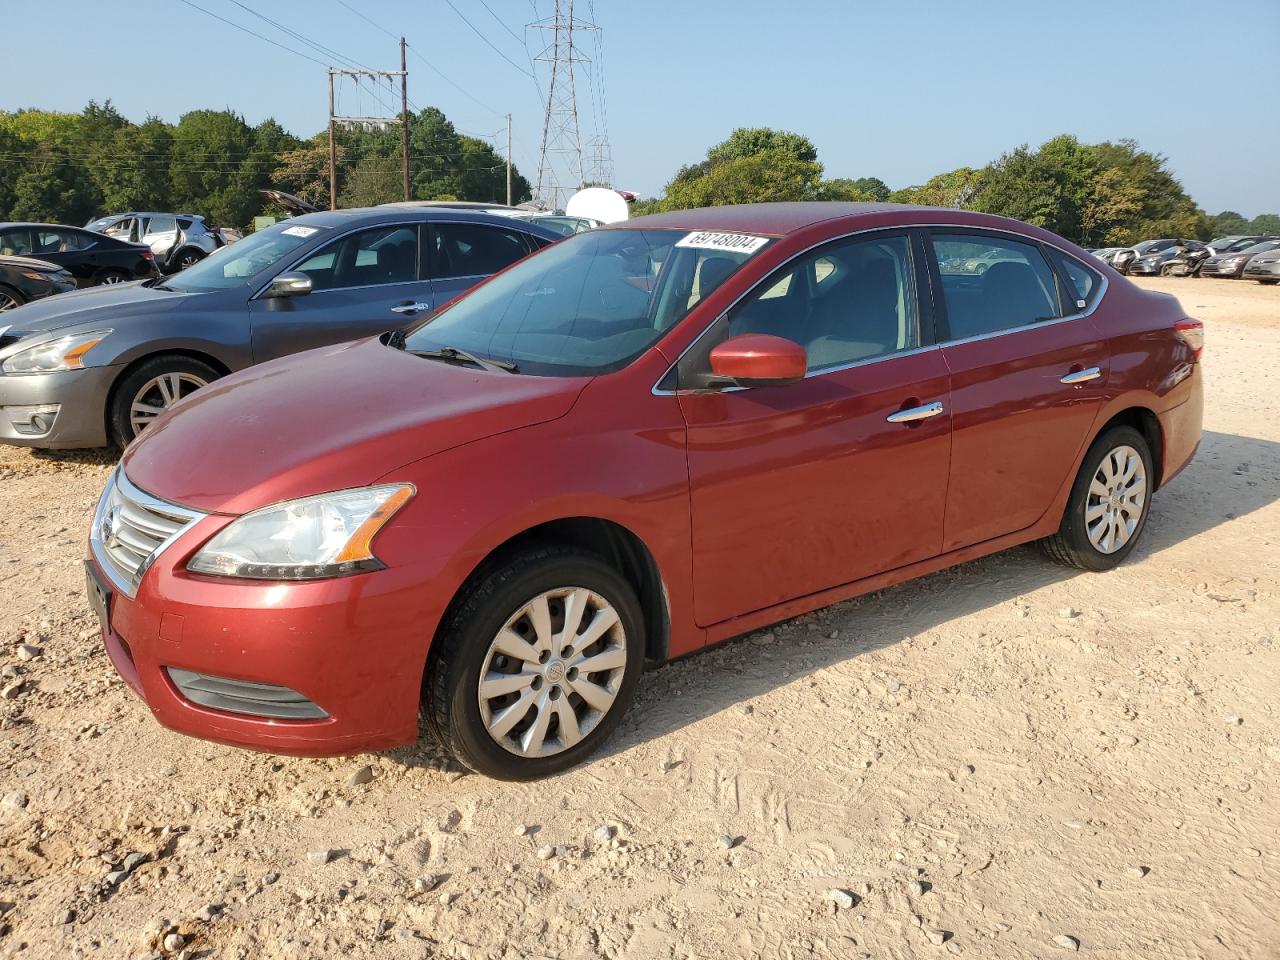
(150, 389)
(10, 299)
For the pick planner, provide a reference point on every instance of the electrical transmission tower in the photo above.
(601, 161)
(560, 160)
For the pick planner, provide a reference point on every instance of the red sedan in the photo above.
(638, 442)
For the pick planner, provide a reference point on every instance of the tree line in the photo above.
(1103, 194)
(72, 167)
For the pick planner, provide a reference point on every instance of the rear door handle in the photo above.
(1082, 376)
(410, 307)
(912, 414)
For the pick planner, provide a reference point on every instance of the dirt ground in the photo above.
(1006, 759)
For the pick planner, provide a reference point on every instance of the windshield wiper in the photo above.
(456, 354)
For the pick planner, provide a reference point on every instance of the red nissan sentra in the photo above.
(643, 440)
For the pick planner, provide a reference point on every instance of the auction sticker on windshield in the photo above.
(734, 242)
(299, 231)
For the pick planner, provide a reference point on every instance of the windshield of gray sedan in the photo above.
(591, 303)
(236, 264)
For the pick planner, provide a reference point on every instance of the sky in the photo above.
(898, 90)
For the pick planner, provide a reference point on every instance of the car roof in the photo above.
(782, 219)
(50, 226)
(373, 216)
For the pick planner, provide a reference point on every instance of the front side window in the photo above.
(591, 303)
(366, 258)
(849, 301)
(992, 283)
(473, 249)
(237, 264)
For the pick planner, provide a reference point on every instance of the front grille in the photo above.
(131, 528)
(245, 697)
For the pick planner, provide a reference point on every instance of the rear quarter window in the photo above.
(1085, 286)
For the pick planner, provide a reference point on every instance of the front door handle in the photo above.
(410, 307)
(912, 414)
(1082, 376)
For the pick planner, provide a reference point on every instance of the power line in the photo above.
(502, 23)
(253, 33)
(488, 42)
(318, 47)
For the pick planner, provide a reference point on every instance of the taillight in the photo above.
(1192, 334)
(148, 255)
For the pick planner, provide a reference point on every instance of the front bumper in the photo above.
(353, 647)
(1140, 269)
(1262, 271)
(1225, 270)
(80, 401)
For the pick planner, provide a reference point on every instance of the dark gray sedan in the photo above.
(1233, 262)
(94, 367)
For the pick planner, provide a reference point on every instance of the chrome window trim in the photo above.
(1102, 292)
(188, 518)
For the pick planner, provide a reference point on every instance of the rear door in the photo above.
(799, 488)
(1028, 370)
(161, 235)
(461, 254)
(363, 283)
(74, 250)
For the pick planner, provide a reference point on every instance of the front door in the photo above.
(363, 284)
(1028, 374)
(798, 488)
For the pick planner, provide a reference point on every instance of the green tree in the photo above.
(133, 172)
(1228, 223)
(750, 141)
(208, 170)
(304, 172)
(52, 188)
(372, 181)
(955, 189)
(1268, 223)
(762, 177)
(14, 155)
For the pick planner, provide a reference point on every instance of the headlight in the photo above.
(330, 535)
(1233, 261)
(65, 353)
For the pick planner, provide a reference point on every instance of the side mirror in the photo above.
(291, 283)
(759, 360)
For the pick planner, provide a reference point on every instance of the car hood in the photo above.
(329, 419)
(92, 305)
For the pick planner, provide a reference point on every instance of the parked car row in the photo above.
(90, 258)
(634, 443)
(1232, 257)
(177, 240)
(97, 366)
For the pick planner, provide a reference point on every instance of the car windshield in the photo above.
(591, 303)
(567, 226)
(237, 264)
(1153, 246)
(1236, 246)
(1262, 247)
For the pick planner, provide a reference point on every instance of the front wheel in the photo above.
(10, 299)
(188, 257)
(150, 389)
(1109, 502)
(535, 664)
(113, 277)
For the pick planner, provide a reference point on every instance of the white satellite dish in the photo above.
(598, 203)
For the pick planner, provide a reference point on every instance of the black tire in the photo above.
(113, 276)
(451, 683)
(1071, 544)
(186, 257)
(125, 391)
(10, 298)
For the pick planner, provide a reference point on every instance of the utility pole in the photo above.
(366, 122)
(508, 159)
(560, 131)
(404, 119)
(333, 152)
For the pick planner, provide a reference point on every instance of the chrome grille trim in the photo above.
(131, 528)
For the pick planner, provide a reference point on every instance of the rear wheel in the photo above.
(1109, 502)
(10, 299)
(536, 663)
(150, 389)
(187, 257)
(113, 276)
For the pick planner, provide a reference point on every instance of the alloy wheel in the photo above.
(158, 394)
(7, 302)
(113, 278)
(1117, 497)
(187, 260)
(552, 672)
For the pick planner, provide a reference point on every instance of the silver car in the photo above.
(178, 240)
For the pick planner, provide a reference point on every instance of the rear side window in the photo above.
(993, 283)
(1085, 284)
(164, 223)
(473, 250)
